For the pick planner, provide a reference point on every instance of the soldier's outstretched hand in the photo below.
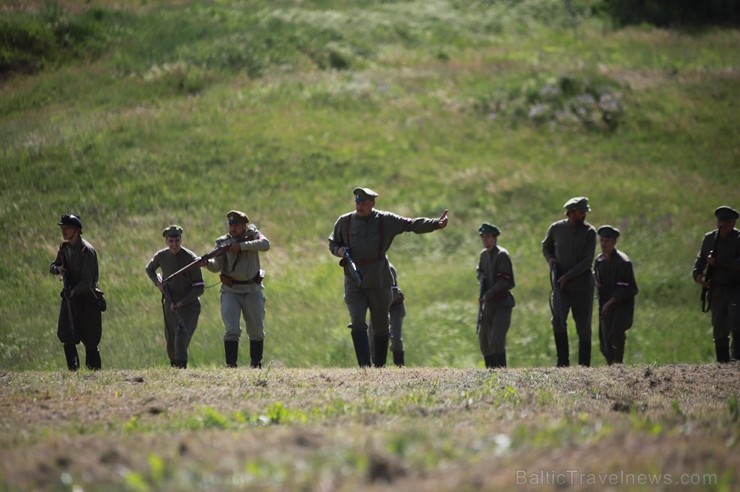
(443, 220)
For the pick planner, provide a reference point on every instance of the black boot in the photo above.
(70, 353)
(398, 358)
(92, 358)
(584, 354)
(489, 360)
(499, 360)
(381, 350)
(255, 353)
(617, 351)
(722, 349)
(561, 346)
(735, 348)
(180, 364)
(362, 348)
(231, 350)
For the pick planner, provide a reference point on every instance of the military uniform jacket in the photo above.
(495, 269)
(81, 262)
(242, 266)
(573, 247)
(369, 238)
(727, 266)
(615, 278)
(185, 287)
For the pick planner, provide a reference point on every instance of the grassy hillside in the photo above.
(139, 114)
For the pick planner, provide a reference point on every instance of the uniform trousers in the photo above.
(396, 313)
(251, 306)
(495, 323)
(377, 300)
(179, 327)
(612, 332)
(88, 322)
(580, 304)
(725, 313)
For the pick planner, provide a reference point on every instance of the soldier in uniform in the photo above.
(396, 313)
(241, 286)
(367, 235)
(79, 317)
(720, 251)
(569, 248)
(496, 277)
(617, 288)
(180, 295)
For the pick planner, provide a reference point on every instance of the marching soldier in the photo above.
(79, 317)
(617, 288)
(717, 269)
(569, 248)
(241, 287)
(180, 295)
(366, 235)
(496, 277)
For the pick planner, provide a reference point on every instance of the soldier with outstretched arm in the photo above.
(720, 254)
(367, 234)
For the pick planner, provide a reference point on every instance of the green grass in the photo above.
(184, 110)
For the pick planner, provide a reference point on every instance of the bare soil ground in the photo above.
(612, 428)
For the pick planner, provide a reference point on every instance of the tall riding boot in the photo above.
(398, 358)
(231, 350)
(381, 350)
(735, 348)
(70, 353)
(255, 353)
(92, 358)
(617, 351)
(561, 346)
(584, 354)
(362, 348)
(489, 360)
(499, 360)
(722, 349)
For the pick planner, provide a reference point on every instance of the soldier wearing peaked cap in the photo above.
(617, 288)
(496, 277)
(717, 268)
(80, 318)
(180, 295)
(569, 248)
(366, 235)
(241, 286)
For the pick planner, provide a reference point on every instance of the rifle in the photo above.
(483, 289)
(706, 291)
(66, 293)
(351, 264)
(220, 248)
(554, 277)
(167, 294)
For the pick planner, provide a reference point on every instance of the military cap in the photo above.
(487, 228)
(577, 203)
(237, 217)
(363, 194)
(608, 231)
(72, 220)
(172, 231)
(726, 213)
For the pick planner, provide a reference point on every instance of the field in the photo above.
(137, 114)
(613, 428)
